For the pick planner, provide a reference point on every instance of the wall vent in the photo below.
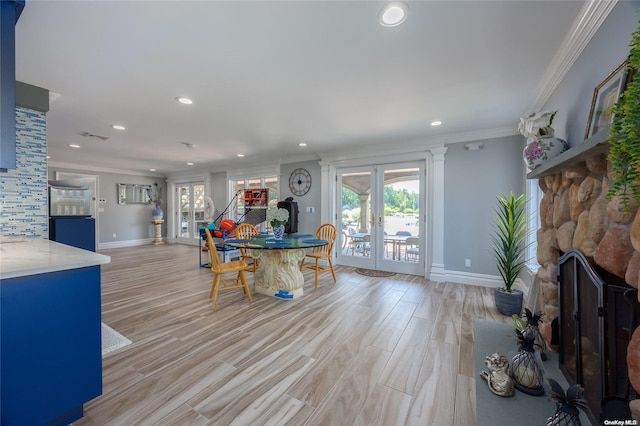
(92, 136)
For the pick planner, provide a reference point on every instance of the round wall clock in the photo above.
(300, 182)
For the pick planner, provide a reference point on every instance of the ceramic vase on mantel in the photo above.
(278, 232)
(544, 148)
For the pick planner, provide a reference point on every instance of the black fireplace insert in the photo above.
(598, 314)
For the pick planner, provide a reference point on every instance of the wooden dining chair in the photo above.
(324, 232)
(220, 269)
(246, 231)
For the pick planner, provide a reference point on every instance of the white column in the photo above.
(327, 195)
(437, 272)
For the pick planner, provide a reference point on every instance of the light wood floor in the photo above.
(379, 351)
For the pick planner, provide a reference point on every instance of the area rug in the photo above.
(374, 273)
(112, 340)
(491, 410)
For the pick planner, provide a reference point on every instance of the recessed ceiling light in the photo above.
(240, 155)
(184, 100)
(189, 164)
(302, 144)
(118, 126)
(393, 14)
(73, 145)
(152, 170)
(48, 157)
(436, 123)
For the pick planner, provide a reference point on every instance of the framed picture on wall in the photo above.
(605, 95)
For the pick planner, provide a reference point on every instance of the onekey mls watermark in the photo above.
(627, 422)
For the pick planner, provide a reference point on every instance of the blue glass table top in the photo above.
(263, 241)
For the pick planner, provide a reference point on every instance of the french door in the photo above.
(189, 211)
(382, 217)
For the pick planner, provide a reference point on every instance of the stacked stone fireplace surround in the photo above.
(575, 213)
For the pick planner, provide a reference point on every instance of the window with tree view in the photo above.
(238, 186)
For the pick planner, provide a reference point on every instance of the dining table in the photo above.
(278, 271)
(396, 242)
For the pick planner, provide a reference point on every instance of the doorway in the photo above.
(382, 217)
(190, 211)
(87, 181)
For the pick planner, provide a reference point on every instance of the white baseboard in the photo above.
(437, 272)
(482, 280)
(127, 243)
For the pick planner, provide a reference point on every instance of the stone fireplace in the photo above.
(575, 215)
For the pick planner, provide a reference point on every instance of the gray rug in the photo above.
(520, 409)
(112, 340)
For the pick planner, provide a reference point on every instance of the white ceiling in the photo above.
(267, 75)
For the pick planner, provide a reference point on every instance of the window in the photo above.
(190, 208)
(237, 186)
(534, 196)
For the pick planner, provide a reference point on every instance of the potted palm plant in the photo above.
(509, 245)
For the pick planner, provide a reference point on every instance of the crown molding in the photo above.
(272, 169)
(480, 135)
(300, 158)
(588, 21)
(417, 144)
(79, 167)
(411, 145)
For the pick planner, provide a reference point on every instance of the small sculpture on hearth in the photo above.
(498, 377)
(526, 366)
(530, 326)
(567, 405)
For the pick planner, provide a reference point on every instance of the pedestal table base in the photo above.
(279, 271)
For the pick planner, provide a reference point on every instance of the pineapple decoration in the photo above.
(530, 326)
(567, 413)
(526, 372)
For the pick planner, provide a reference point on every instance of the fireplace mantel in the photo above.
(595, 145)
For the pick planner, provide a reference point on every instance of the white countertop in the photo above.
(39, 256)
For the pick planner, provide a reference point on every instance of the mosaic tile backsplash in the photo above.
(23, 191)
